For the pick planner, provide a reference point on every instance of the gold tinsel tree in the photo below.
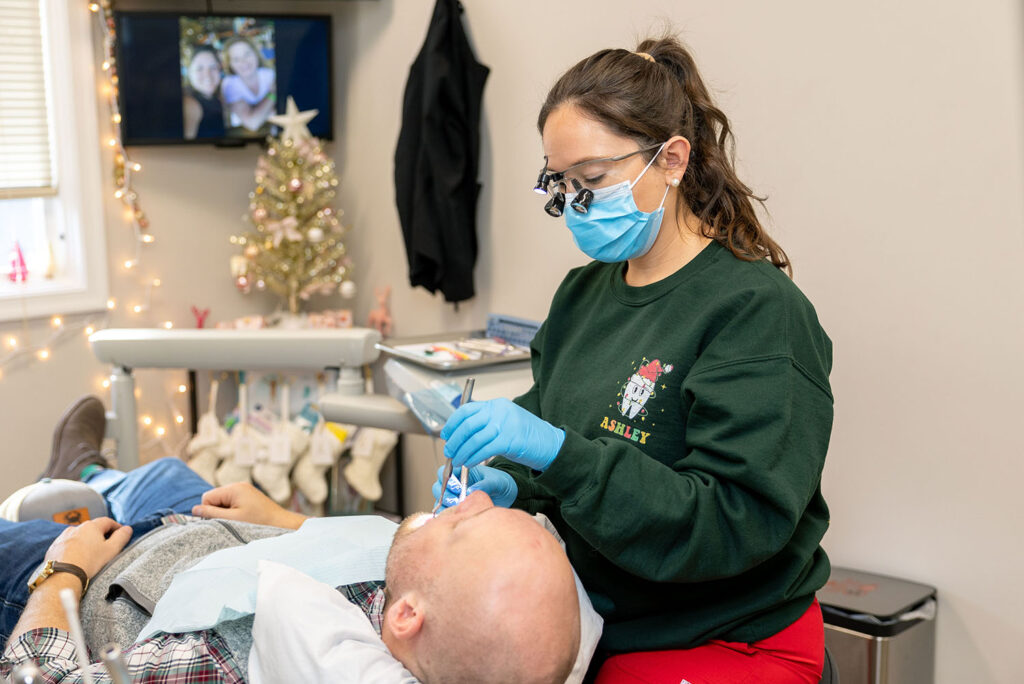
(296, 249)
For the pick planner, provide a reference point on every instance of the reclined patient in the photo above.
(478, 594)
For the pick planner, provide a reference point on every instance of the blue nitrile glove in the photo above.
(497, 484)
(482, 429)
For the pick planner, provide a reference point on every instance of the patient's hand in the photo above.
(242, 501)
(90, 545)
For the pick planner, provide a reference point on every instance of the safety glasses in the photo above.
(580, 180)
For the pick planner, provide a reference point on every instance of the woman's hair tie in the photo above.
(645, 56)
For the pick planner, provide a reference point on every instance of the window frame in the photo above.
(71, 87)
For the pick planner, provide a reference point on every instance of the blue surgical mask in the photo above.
(614, 229)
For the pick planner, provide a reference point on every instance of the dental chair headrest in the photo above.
(63, 501)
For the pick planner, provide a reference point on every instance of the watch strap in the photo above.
(53, 567)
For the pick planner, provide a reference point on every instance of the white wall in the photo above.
(889, 137)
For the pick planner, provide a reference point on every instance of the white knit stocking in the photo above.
(369, 451)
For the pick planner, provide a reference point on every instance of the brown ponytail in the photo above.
(650, 103)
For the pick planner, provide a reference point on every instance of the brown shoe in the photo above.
(77, 440)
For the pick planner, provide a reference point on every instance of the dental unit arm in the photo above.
(343, 352)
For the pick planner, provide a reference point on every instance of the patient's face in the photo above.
(474, 530)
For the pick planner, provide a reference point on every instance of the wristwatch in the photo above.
(52, 567)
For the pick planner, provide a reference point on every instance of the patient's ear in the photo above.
(404, 616)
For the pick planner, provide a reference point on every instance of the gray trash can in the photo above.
(880, 630)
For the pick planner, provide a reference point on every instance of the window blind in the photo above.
(26, 164)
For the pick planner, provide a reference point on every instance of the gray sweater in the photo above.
(121, 597)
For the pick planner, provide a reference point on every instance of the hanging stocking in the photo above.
(286, 442)
(370, 450)
(210, 444)
(245, 445)
(326, 445)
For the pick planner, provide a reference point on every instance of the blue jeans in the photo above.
(139, 498)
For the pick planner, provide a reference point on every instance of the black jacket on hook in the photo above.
(437, 158)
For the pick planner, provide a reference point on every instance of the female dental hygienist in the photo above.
(680, 413)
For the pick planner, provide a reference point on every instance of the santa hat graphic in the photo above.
(652, 370)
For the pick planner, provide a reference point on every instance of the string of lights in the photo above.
(124, 171)
(124, 166)
(22, 349)
(26, 347)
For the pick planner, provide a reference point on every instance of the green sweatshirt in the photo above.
(697, 414)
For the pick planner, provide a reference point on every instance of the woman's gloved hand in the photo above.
(498, 485)
(498, 427)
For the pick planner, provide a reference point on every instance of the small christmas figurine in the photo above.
(19, 271)
(296, 249)
(380, 318)
(200, 315)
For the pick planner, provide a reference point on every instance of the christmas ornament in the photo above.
(285, 228)
(293, 122)
(315, 235)
(348, 289)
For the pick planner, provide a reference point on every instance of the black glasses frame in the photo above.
(555, 206)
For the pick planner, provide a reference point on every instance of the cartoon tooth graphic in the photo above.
(640, 387)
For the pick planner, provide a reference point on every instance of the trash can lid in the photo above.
(886, 598)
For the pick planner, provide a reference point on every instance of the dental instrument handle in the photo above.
(467, 392)
(467, 396)
(116, 668)
(444, 485)
(464, 481)
(70, 603)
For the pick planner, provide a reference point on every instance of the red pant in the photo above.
(794, 655)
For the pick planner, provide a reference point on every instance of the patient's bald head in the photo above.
(480, 593)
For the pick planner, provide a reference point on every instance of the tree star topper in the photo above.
(293, 122)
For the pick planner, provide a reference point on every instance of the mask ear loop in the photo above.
(637, 180)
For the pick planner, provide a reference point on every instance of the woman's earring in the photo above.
(675, 182)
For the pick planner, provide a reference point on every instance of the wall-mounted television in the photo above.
(216, 78)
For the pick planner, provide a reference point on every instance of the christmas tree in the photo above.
(296, 249)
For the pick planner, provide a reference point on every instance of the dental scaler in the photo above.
(467, 394)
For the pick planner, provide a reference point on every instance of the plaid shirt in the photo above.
(164, 659)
